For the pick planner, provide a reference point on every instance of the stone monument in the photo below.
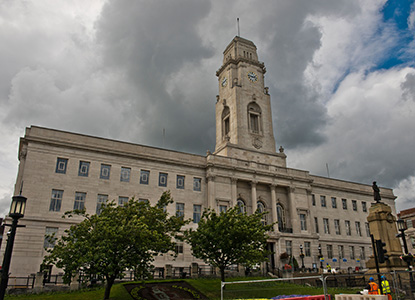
(382, 225)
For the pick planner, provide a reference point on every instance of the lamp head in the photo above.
(401, 224)
(18, 206)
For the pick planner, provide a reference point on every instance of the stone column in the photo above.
(211, 192)
(75, 284)
(194, 270)
(234, 192)
(253, 195)
(274, 217)
(38, 286)
(291, 209)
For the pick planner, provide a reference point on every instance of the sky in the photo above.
(341, 75)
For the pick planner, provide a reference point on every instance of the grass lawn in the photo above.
(209, 287)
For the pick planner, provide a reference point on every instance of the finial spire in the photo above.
(237, 22)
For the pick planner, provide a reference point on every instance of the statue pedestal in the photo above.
(382, 225)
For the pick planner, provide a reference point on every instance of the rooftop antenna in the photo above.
(237, 22)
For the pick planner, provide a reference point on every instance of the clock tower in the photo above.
(243, 108)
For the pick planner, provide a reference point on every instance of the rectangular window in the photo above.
(333, 202)
(409, 224)
(316, 224)
(125, 174)
(180, 182)
(144, 177)
(197, 184)
(163, 179)
(323, 201)
(83, 168)
(142, 200)
(180, 210)
(344, 203)
(79, 201)
(289, 247)
(61, 164)
(102, 199)
(313, 200)
(358, 231)
(337, 227)
(326, 226)
(254, 122)
(347, 227)
(351, 249)
(122, 200)
(354, 205)
(367, 229)
(303, 222)
(105, 171)
(362, 253)
(341, 251)
(197, 212)
(56, 200)
(50, 237)
(329, 251)
(179, 247)
(307, 249)
(222, 208)
(364, 206)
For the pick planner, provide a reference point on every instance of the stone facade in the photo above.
(60, 171)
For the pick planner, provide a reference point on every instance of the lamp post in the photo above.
(402, 227)
(320, 256)
(302, 257)
(16, 212)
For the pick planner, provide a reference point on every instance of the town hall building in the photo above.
(61, 171)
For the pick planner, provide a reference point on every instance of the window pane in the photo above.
(222, 208)
(197, 183)
(358, 231)
(351, 249)
(326, 226)
(364, 206)
(313, 200)
(354, 205)
(144, 177)
(83, 168)
(163, 179)
(197, 210)
(61, 165)
(180, 182)
(323, 201)
(303, 222)
(344, 203)
(316, 224)
(333, 202)
(56, 200)
(125, 174)
(241, 204)
(122, 200)
(179, 209)
(337, 226)
(347, 226)
(329, 251)
(50, 237)
(105, 171)
(307, 249)
(289, 247)
(79, 201)
(102, 199)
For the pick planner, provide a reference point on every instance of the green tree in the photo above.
(119, 238)
(229, 238)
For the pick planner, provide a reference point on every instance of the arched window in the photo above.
(261, 209)
(254, 118)
(226, 122)
(281, 217)
(241, 204)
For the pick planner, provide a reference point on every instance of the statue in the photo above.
(376, 192)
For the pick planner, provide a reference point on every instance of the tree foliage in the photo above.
(229, 238)
(119, 238)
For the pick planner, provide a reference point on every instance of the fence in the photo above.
(27, 282)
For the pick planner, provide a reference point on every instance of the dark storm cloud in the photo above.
(151, 42)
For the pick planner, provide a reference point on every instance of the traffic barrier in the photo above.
(361, 297)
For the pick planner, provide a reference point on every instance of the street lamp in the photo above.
(16, 212)
(320, 256)
(302, 257)
(408, 259)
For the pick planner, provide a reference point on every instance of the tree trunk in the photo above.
(108, 286)
(222, 274)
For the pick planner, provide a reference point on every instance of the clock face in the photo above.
(224, 81)
(252, 76)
